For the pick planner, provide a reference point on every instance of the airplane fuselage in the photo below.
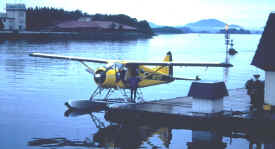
(113, 77)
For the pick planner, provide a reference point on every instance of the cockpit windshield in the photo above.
(117, 66)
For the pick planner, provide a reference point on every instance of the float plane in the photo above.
(115, 74)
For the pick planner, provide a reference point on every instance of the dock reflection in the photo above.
(125, 136)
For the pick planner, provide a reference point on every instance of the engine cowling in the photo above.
(105, 77)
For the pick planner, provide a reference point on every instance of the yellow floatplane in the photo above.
(115, 74)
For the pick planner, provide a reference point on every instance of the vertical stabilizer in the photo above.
(168, 70)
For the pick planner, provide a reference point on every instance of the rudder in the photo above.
(167, 69)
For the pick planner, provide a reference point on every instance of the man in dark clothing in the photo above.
(255, 89)
(133, 82)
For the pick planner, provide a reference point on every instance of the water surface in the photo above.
(34, 90)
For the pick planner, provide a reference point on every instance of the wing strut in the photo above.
(89, 69)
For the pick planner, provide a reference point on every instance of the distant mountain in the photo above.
(206, 26)
(257, 30)
(185, 29)
(210, 26)
(207, 23)
(235, 26)
(167, 30)
(153, 25)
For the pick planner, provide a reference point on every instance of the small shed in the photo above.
(207, 96)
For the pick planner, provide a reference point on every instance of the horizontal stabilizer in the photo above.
(190, 79)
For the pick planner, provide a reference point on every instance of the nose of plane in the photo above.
(100, 76)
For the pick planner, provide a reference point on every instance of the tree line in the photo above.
(235, 31)
(41, 18)
(141, 26)
(46, 18)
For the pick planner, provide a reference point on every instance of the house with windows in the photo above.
(15, 17)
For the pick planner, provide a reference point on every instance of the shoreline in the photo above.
(97, 35)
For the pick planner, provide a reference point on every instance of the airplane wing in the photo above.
(73, 58)
(129, 63)
(200, 64)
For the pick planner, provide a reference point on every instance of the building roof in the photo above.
(15, 7)
(264, 56)
(208, 90)
(93, 24)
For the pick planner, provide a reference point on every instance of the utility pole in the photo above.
(227, 39)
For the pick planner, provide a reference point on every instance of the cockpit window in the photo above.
(119, 66)
(109, 65)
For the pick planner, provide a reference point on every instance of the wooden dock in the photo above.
(177, 113)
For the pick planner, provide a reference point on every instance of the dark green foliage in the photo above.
(121, 18)
(46, 18)
(41, 18)
(141, 26)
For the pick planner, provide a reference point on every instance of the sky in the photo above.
(246, 13)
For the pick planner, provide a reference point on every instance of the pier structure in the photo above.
(264, 59)
(178, 113)
(208, 107)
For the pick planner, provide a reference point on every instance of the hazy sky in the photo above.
(247, 13)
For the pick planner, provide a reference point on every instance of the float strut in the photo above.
(94, 93)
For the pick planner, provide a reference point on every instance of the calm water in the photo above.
(33, 90)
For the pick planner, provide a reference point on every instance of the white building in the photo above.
(264, 59)
(15, 17)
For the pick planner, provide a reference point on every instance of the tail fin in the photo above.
(167, 69)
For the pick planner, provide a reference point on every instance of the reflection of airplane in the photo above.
(130, 136)
(123, 135)
(116, 73)
(112, 136)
